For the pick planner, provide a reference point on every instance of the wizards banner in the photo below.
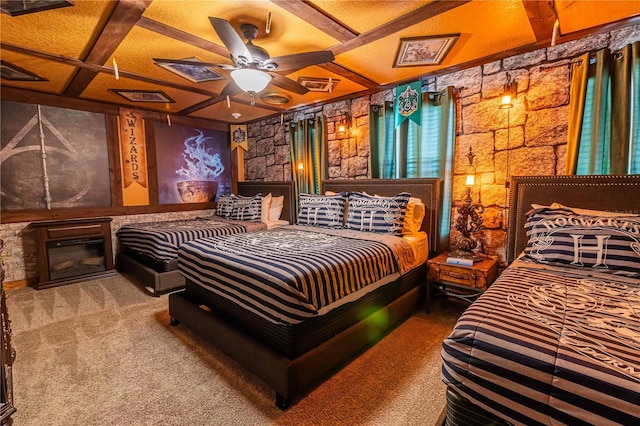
(409, 102)
(133, 157)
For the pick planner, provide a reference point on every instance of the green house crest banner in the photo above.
(409, 102)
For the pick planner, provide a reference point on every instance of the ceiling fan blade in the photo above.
(300, 60)
(193, 63)
(288, 84)
(230, 38)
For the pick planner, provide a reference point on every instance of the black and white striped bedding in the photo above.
(161, 240)
(293, 273)
(550, 345)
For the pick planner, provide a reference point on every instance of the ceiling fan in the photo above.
(253, 69)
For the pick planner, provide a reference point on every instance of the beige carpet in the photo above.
(102, 353)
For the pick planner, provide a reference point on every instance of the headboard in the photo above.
(426, 189)
(276, 189)
(597, 192)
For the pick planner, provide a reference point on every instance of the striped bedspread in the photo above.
(548, 345)
(161, 240)
(289, 274)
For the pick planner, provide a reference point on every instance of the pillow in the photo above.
(265, 206)
(376, 213)
(275, 210)
(247, 208)
(562, 236)
(225, 205)
(324, 211)
(414, 216)
(583, 211)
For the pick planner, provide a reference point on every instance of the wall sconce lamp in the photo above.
(343, 125)
(509, 93)
(300, 167)
(469, 217)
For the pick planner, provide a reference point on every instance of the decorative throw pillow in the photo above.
(377, 214)
(224, 206)
(324, 211)
(564, 236)
(275, 210)
(247, 208)
(265, 206)
(414, 216)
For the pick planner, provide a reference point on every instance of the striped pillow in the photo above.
(247, 208)
(377, 214)
(224, 206)
(325, 211)
(562, 236)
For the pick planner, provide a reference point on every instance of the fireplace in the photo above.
(73, 250)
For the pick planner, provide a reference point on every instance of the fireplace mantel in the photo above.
(73, 250)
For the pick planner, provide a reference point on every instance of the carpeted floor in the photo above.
(102, 353)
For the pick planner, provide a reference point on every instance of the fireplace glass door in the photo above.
(71, 258)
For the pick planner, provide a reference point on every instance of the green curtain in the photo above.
(308, 142)
(604, 113)
(411, 151)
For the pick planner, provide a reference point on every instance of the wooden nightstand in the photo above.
(462, 282)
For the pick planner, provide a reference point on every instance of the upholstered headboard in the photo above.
(609, 193)
(426, 189)
(276, 189)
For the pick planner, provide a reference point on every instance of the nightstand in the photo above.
(462, 282)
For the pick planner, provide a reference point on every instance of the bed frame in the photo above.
(610, 193)
(293, 378)
(162, 282)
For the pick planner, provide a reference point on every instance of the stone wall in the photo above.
(530, 138)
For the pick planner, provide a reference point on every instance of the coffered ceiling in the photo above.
(76, 49)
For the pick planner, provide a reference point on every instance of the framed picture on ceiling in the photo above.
(318, 84)
(16, 8)
(144, 95)
(194, 73)
(427, 50)
(13, 72)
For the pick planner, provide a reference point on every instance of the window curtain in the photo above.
(308, 142)
(412, 151)
(604, 113)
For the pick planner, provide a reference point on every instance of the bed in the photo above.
(556, 339)
(296, 340)
(149, 251)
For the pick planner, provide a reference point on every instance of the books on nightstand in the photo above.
(459, 261)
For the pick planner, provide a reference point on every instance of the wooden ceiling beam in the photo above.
(101, 69)
(421, 14)
(542, 17)
(349, 75)
(122, 20)
(318, 18)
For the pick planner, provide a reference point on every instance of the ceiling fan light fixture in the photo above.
(251, 80)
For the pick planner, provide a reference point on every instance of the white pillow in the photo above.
(275, 209)
(266, 204)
